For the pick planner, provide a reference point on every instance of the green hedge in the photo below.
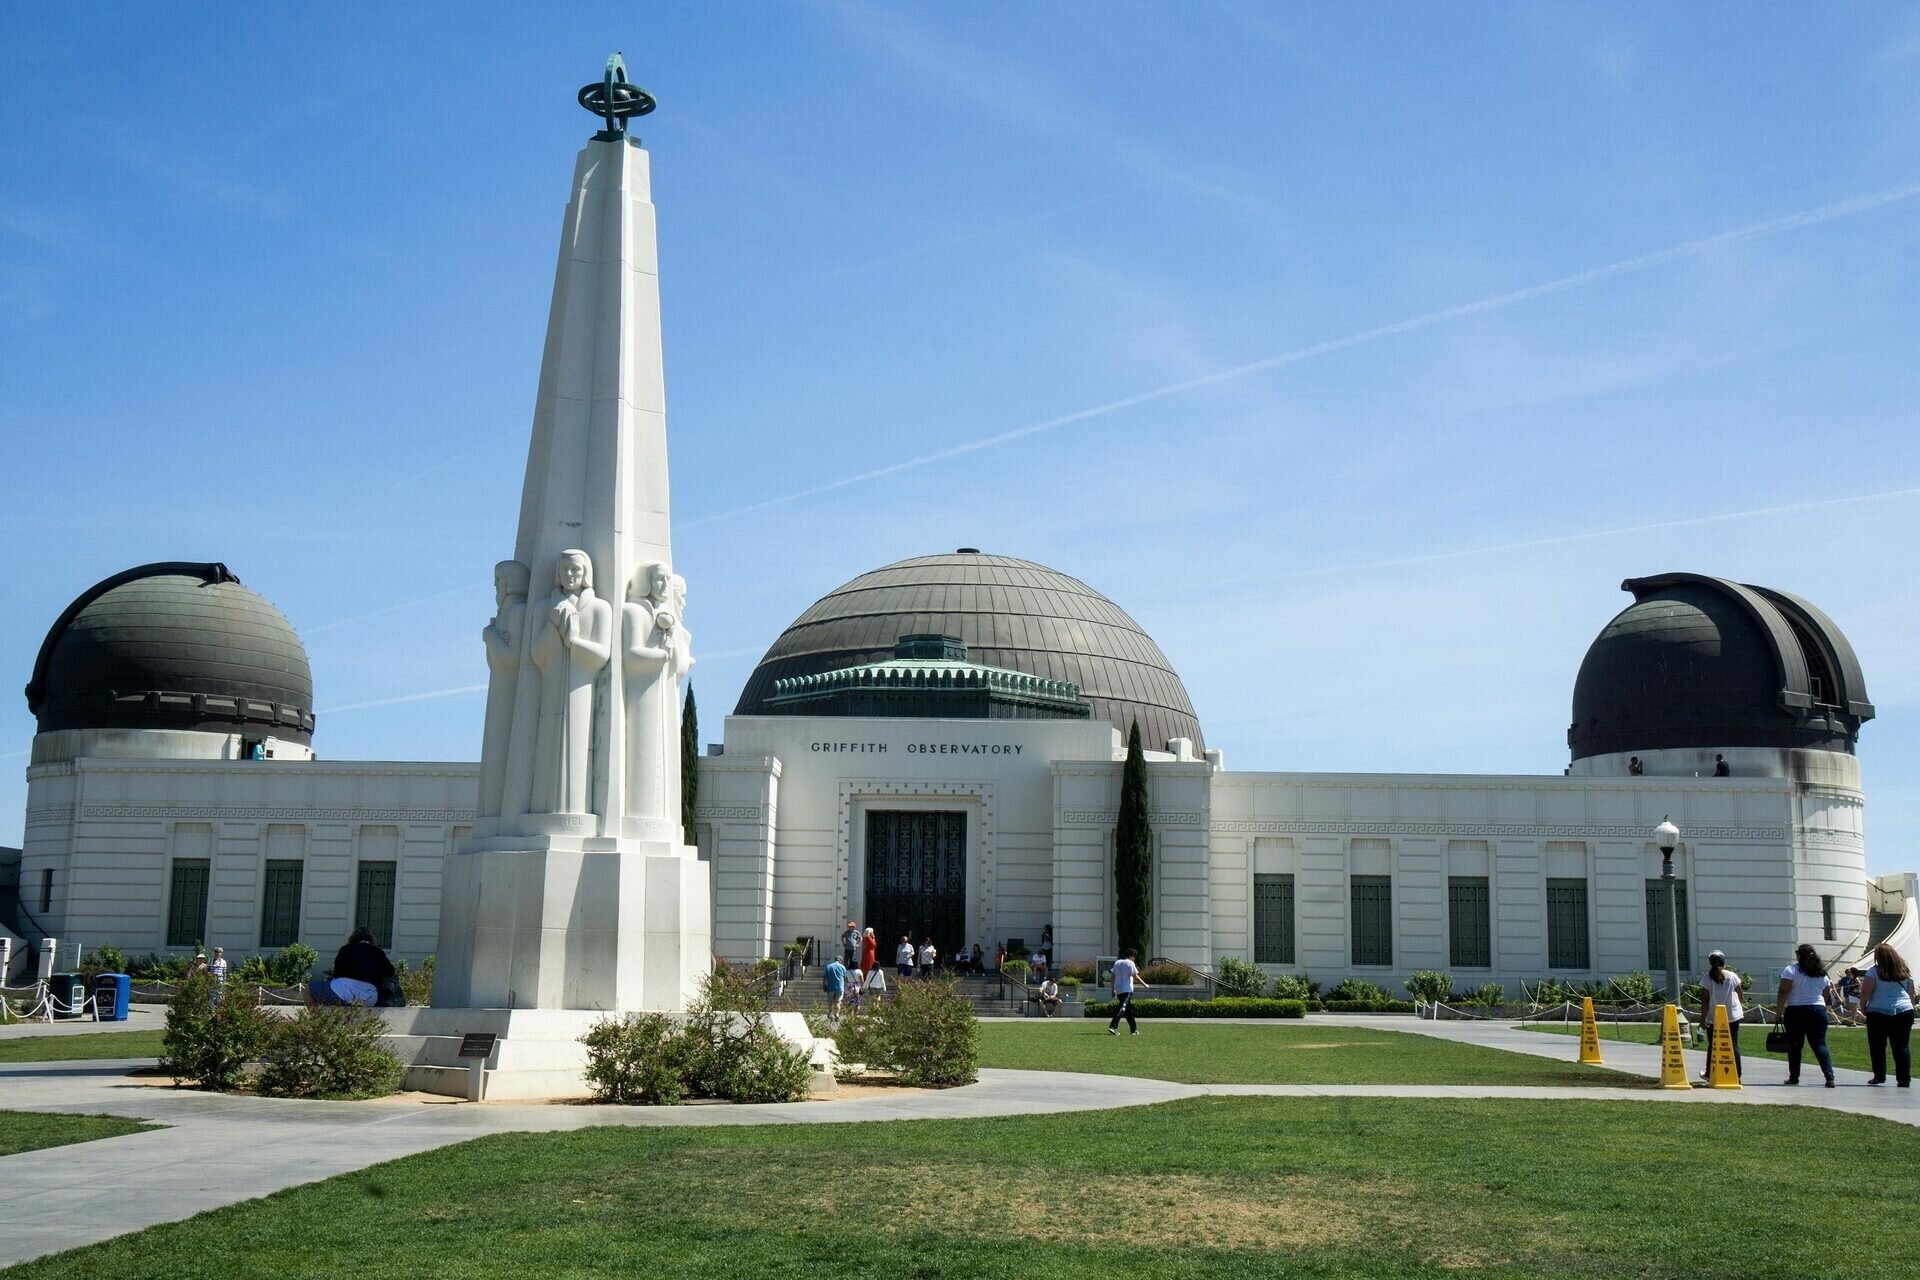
(1223, 1007)
(1367, 1006)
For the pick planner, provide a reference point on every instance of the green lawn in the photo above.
(1211, 1187)
(1848, 1045)
(1278, 1053)
(103, 1044)
(32, 1130)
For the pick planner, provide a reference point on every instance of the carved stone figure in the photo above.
(655, 653)
(505, 641)
(570, 647)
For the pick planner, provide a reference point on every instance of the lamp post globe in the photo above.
(1667, 837)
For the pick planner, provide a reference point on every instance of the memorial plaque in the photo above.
(477, 1044)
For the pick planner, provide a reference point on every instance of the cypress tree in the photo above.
(689, 766)
(1133, 854)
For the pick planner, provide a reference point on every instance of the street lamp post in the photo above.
(1666, 835)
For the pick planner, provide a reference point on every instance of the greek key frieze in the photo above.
(108, 811)
(1483, 829)
(732, 811)
(1109, 817)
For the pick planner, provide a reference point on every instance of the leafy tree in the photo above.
(689, 767)
(1133, 853)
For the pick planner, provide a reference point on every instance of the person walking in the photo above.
(849, 945)
(834, 980)
(929, 957)
(1126, 976)
(869, 951)
(1805, 992)
(1722, 987)
(218, 968)
(1886, 993)
(903, 956)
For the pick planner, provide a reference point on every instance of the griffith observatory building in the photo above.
(933, 748)
(936, 747)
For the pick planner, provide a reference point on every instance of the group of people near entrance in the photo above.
(1809, 999)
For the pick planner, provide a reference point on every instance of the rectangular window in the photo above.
(46, 888)
(1567, 925)
(187, 902)
(1469, 923)
(1273, 919)
(373, 900)
(1826, 917)
(1657, 925)
(280, 908)
(1371, 898)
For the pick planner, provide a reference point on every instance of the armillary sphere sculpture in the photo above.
(615, 97)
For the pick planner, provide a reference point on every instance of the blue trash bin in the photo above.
(111, 992)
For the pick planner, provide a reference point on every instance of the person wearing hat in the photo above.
(1722, 986)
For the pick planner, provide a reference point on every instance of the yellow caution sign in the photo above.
(1589, 1032)
(1721, 1072)
(1673, 1067)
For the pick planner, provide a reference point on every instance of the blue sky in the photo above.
(1508, 303)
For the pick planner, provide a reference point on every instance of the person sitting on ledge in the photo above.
(1048, 997)
(360, 970)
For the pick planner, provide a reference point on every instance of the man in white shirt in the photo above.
(1126, 976)
(1049, 997)
(929, 957)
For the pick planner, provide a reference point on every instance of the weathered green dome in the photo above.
(1009, 613)
(173, 645)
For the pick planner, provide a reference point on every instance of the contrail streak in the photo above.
(1627, 266)
(455, 692)
(392, 608)
(1561, 539)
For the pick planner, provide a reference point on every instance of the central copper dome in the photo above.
(1010, 613)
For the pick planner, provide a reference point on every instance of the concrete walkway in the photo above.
(219, 1150)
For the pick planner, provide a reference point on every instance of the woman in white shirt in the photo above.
(1722, 986)
(1805, 993)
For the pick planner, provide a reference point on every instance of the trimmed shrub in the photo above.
(1295, 986)
(930, 1033)
(1631, 988)
(1168, 973)
(1018, 970)
(1430, 985)
(416, 985)
(1487, 993)
(633, 1060)
(1367, 1006)
(1219, 1007)
(1237, 977)
(722, 1047)
(329, 1052)
(209, 1042)
(1081, 969)
(102, 959)
(1359, 991)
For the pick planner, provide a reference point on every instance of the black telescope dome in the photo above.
(1703, 662)
(173, 645)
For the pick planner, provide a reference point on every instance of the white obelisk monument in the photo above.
(577, 890)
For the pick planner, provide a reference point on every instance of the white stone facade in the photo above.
(782, 828)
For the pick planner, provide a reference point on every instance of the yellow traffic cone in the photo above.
(1673, 1066)
(1589, 1032)
(1721, 1073)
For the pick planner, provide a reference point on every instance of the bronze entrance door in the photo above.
(917, 879)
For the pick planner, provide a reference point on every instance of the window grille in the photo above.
(1372, 909)
(1273, 919)
(1567, 925)
(187, 902)
(1657, 925)
(280, 907)
(373, 900)
(1469, 923)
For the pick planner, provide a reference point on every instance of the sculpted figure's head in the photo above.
(650, 583)
(573, 571)
(509, 579)
(677, 593)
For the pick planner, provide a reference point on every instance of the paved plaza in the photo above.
(217, 1150)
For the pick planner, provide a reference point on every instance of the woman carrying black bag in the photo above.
(1805, 993)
